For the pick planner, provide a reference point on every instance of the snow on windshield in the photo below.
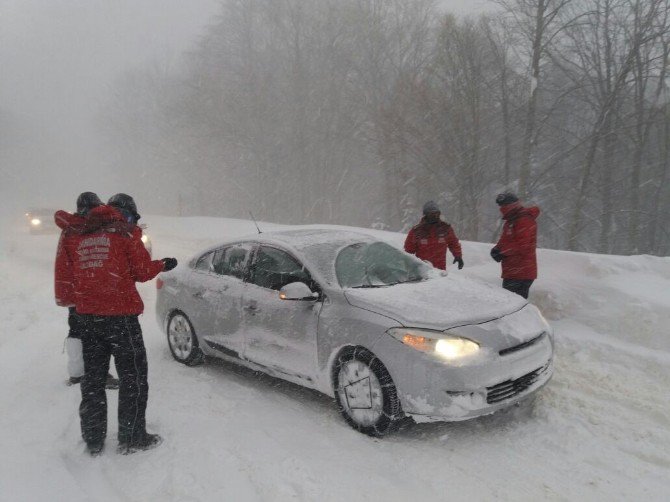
(376, 264)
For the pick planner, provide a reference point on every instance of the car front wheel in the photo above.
(365, 393)
(182, 340)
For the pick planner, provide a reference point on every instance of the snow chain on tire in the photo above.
(392, 409)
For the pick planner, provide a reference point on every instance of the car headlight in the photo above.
(444, 345)
(145, 239)
(35, 222)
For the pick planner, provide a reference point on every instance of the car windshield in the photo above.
(377, 264)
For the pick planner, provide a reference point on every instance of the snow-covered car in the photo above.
(41, 220)
(360, 320)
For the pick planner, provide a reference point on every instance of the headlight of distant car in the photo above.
(35, 222)
(444, 345)
(145, 239)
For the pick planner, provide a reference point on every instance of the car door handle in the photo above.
(198, 294)
(252, 306)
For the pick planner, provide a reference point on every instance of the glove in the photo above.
(497, 255)
(169, 263)
(459, 260)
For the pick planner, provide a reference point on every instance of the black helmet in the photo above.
(125, 203)
(87, 201)
(506, 198)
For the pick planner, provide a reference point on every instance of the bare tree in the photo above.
(539, 22)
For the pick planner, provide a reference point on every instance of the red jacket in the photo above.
(64, 282)
(98, 261)
(518, 241)
(429, 241)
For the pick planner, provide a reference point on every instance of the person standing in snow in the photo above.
(64, 290)
(105, 258)
(430, 239)
(516, 247)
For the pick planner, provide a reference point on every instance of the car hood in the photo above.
(439, 304)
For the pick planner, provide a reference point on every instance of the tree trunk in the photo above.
(531, 113)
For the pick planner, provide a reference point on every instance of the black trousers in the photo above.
(120, 336)
(518, 286)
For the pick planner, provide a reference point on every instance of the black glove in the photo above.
(169, 263)
(459, 260)
(496, 254)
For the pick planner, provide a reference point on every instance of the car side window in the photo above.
(232, 260)
(274, 269)
(204, 263)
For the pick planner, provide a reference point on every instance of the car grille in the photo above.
(511, 388)
(523, 345)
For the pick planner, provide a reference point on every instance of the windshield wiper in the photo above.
(363, 286)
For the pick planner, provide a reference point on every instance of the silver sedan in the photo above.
(382, 332)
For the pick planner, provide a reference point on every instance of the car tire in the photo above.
(365, 393)
(182, 340)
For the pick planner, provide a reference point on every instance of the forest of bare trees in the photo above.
(358, 111)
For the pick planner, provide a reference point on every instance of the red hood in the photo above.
(101, 216)
(66, 220)
(516, 210)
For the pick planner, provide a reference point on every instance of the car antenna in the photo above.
(252, 217)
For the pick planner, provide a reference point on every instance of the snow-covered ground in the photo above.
(599, 431)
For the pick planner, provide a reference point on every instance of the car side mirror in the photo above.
(297, 291)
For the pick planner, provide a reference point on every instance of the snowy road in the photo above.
(599, 431)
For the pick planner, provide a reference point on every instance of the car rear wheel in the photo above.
(365, 393)
(182, 340)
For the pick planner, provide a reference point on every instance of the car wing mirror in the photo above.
(297, 291)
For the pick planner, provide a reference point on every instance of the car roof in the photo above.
(300, 239)
(318, 245)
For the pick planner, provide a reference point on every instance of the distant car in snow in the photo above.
(338, 311)
(41, 220)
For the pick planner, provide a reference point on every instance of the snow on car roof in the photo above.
(319, 245)
(301, 239)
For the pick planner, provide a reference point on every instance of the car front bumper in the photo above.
(433, 390)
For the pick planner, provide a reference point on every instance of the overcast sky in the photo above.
(58, 59)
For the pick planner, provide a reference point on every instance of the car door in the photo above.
(199, 281)
(280, 334)
(218, 299)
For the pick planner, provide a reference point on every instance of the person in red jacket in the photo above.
(516, 246)
(430, 239)
(64, 290)
(104, 258)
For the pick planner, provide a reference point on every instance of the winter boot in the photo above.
(144, 442)
(95, 449)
